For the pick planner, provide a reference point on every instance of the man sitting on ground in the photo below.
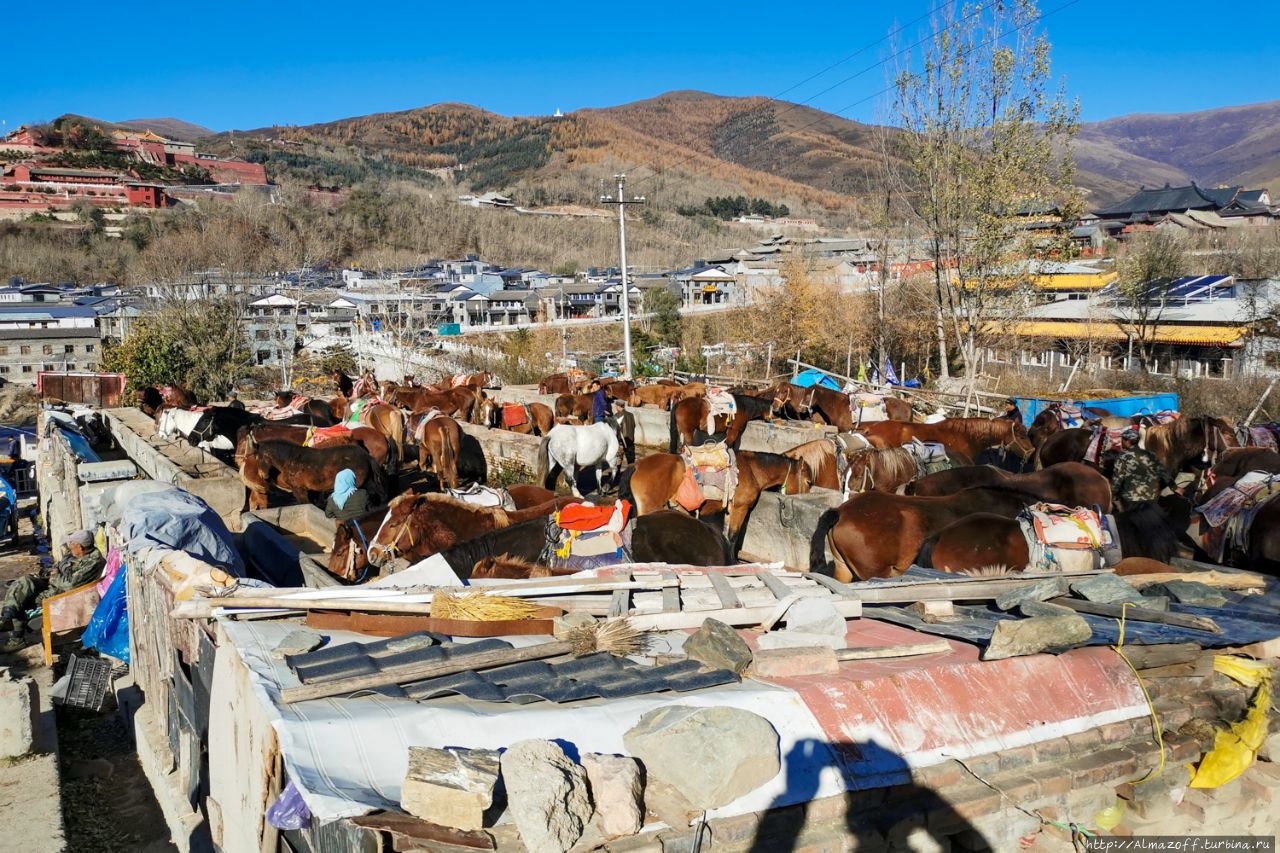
(82, 564)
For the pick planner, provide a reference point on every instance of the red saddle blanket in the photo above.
(320, 436)
(514, 415)
(585, 516)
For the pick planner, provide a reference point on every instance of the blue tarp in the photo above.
(179, 521)
(815, 377)
(1125, 407)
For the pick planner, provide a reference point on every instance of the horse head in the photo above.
(165, 425)
(386, 543)
(1019, 440)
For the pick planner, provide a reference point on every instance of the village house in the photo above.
(42, 336)
(1191, 207)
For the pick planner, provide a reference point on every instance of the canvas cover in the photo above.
(179, 521)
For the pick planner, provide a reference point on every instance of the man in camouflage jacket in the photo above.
(1139, 475)
(83, 564)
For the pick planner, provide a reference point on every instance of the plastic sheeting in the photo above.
(179, 521)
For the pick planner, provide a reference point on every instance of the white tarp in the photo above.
(349, 756)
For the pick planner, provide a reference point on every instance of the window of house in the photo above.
(262, 335)
(4, 350)
(26, 368)
(48, 349)
(48, 367)
(4, 368)
(24, 350)
(68, 348)
(88, 347)
(71, 365)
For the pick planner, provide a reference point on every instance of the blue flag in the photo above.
(890, 377)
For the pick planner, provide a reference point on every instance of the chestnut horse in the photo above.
(417, 526)
(538, 418)
(1186, 440)
(968, 436)
(458, 402)
(1237, 462)
(439, 448)
(876, 535)
(834, 407)
(987, 540)
(881, 469)
(653, 395)
(656, 479)
(576, 406)
(372, 441)
(689, 416)
(303, 471)
(348, 556)
(1069, 483)
(1261, 542)
(822, 457)
(386, 419)
(561, 383)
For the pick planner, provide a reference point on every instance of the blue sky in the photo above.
(245, 65)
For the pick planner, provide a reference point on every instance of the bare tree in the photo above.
(1151, 261)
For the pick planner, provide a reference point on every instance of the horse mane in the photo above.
(508, 566)
(817, 454)
(752, 406)
(463, 556)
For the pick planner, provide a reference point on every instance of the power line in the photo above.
(659, 171)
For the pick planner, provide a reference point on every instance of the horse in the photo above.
(576, 406)
(1237, 462)
(385, 419)
(538, 417)
(374, 443)
(689, 416)
(440, 447)
(177, 397)
(968, 436)
(655, 480)
(661, 537)
(880, 469)
(561, 383)
(874, 534)
(1261, 551)
(419, 525)
(304, 471)
(825, 461)
(213, 429)
(348, 557)
(653, 395)
(1052, 420)
(834, 407)
(1069, 483)
(987, 539)
(568, 447)
(460, 401)
(150, 400)
(1068, 445)
(1180, 443)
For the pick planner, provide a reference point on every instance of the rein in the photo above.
(394, 547)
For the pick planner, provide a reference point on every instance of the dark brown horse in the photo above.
(459, 402)
(656, 479)
(303, 471)
(986, 540)
(1066, 445)
(1262, 551)
(417, 526)
(439, 447)
(562, 383)
(574, 406)
(660, 537)
(374, 443)
(1069, 483)
(875, 535)
(1237, 462)
(537, 419)
(968, 436)
(833, 407)
(689, 416)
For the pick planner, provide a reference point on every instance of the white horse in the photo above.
(200, 428)
(568, 447)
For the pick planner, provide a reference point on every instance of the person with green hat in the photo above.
(82, 564)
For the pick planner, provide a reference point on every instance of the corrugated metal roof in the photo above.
(591, 676)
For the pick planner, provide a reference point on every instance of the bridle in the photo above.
(390, 551)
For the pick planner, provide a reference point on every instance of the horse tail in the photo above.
(544, 462)
(924, 557)
(624, 486)
(818, 562)
(674, 428)
(448, 458)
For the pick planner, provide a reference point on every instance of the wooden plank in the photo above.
(1161, 654)
(1208, 577)
(670, 595)
(405, 827)
(728, 598)
(841, 589)
(422, 671)
(776, 585)
(620, 603)
(958, 589)
(1141, 614)
(848, 608)
(932, 648)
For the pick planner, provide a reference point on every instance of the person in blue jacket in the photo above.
(599, 403)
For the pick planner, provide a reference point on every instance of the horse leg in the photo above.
(571, 474)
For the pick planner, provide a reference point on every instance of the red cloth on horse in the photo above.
(589, 516)
(320, 436)
(514, 415)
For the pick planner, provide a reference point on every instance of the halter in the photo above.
(394, 547)
(791, 466)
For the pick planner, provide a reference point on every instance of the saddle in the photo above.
(1061, 538)
(710, 474)
(1257, 436)
(485, 496)
(320, 436)
(930, 456)
(460, 379)
(585, 536)
(514, 415)
(867, 408)
(1230, 513)
(419, 428)
(357, 410)
(719, 402)
(1072, 416)
(1103, 441)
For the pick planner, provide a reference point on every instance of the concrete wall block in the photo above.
(19, 715)
(781, 526)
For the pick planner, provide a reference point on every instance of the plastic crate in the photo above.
(90, 678)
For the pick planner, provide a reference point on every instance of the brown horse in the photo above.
(988, 540)
(968, 436)
(822, 455)
(1186, 440)
(1066, 445)
(1262, 552)
(387, 420)
(1069, 483)
(879, 469)
(656, 479)
(833, 407)
(689, 416)
(1237, 462)
(439, 447)
(417, 526)
(562, 383)
(303, 471)
(374, 443)
(538, 417)
(459, 402)
(653, 395)
(875, 534)
(575, 406)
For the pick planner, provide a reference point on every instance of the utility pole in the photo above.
(622, 201)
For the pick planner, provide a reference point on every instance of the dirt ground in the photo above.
(107, 802)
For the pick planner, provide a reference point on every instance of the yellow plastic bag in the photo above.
(1234, 749)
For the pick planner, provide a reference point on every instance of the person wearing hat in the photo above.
(82, 564)
(1138, 476)
(624, 423)
(1011, 410)
(233, 401)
